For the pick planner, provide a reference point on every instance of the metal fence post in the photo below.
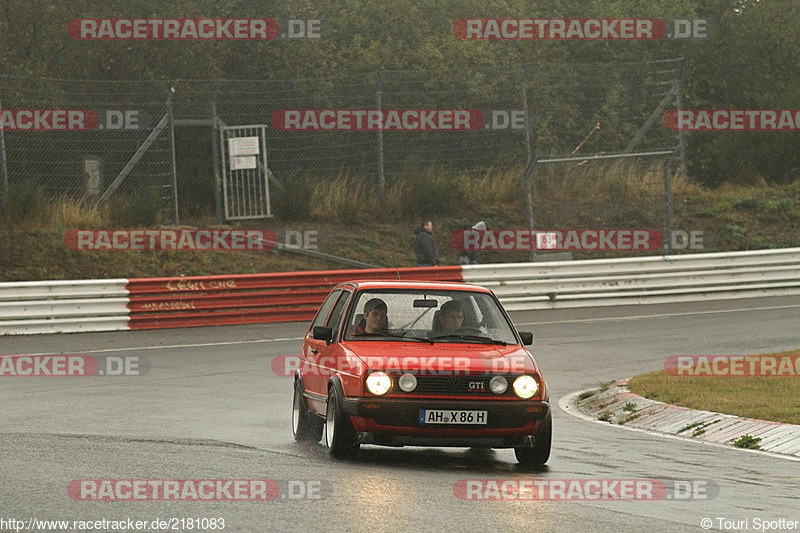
(378, 103)
(526, 181)
(3, 157)
(170, 106)
(529, 164)
(668, 205)
(679, 103)
(215, 157)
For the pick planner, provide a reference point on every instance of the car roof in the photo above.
(429, 285)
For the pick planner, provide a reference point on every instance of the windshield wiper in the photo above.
(402, 337)
(478, 338)
(421, 339)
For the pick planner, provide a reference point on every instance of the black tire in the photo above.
(339, 436)
(306, 426)
(540, 453)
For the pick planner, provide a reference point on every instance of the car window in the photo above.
(336, 314)
(418, 313)
(322, 314)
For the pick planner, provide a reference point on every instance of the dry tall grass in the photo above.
(75, 213)
(34, 208)
(562, 194)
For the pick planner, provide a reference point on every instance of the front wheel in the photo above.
(306, 427)
(339, 434)
(540, 453)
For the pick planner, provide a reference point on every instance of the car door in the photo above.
(322, 356)
(312, 346)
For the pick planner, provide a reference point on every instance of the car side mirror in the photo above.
(527, 337)
(322, 333)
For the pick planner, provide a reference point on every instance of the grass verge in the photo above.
(764, 398)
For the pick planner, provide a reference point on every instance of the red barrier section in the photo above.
(151, 304)
(251, 298)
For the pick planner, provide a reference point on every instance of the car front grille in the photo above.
(462, 385)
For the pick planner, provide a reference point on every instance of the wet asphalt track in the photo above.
(211, 408)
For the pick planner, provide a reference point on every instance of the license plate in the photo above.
(446, 416)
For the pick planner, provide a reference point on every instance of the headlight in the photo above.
(407, 382)
(378, 383)
(498, 384)
(525, 387)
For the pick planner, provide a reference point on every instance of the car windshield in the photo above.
(429, 316)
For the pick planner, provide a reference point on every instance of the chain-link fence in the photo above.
(578, 122)
(116, 121)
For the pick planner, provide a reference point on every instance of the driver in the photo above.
(375, 319)
(451, 316)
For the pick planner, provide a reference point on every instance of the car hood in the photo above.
(443, 357)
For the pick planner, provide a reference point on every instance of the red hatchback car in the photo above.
(420, 364)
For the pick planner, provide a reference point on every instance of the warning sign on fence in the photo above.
(243, 146)
(242, 162)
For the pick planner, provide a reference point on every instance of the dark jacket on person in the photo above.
(427, 254)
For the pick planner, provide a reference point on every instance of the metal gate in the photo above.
(245, 184)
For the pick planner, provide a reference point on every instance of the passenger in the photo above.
(375, 319)
(451, 316)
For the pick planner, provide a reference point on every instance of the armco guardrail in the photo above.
(63, 306)
(104, 305)
(249, 298)
(662, 279)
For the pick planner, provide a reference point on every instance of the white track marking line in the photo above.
(637, 317)
(607, 319)
(172, 346)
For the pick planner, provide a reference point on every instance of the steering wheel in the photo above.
(469, 331)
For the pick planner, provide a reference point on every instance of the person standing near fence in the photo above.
(427, 254)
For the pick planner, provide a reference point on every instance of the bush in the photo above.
(145, 209)
(732, 236)
(292, 200)
(780, 203)
(747, 441)
(23, 203)
(746, 202)
(431, 194)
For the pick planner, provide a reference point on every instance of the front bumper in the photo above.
(395, 422)
(385, 439)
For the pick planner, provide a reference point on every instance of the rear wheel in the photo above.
(306, 427)
(540, 453)
(339, 434)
